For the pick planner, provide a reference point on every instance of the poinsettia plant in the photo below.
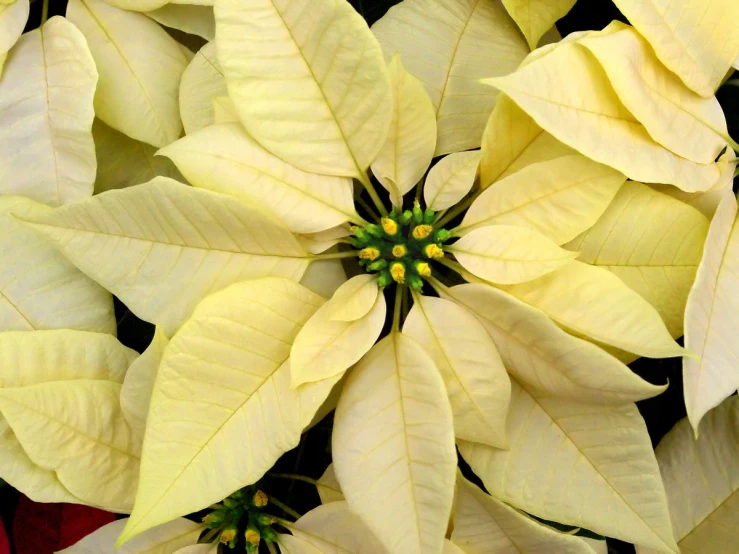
(519, 217)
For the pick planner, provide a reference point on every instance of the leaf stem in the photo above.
(370, 210)
(284, 507)
(455, 266)
(293, 476)
(271, 548)
(399, 294)
(336, 255)
(44, 12)
(458, 209)
(736, 173)
(419, 190)
(369, 187)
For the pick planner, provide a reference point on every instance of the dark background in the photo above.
(660, 413)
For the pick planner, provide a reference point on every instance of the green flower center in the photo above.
(401, 247)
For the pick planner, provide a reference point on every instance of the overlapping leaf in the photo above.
(195, 20)
(536, 17)
(201, 81)
(13, 17)
(451, 179)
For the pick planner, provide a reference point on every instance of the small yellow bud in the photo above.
(422, 231)
(433, 251)
(397, 270)
(253, 537)
(228, 535)
(423, 269)
(389, 226)
(370, 253)
(399, 250)
(260, 499)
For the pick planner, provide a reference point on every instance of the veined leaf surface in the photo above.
(536, 17)
(354, 299)
(13, 18)
(201, 82)
(451, 179)
(195, 20)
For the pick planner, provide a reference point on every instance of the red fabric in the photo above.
(48, 528)
(4, 544)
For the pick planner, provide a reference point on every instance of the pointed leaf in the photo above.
(315, 243)
(512, 141)
(584, 112)
(599, 472)
(449, 45)
(40, 288)
(224, 158)
(476, 381)
(594, 302)
(195, 20)
(140, 65)
(124, 162)
(695, 40)
(324, 277)
(162, 246)
(547, 359)
(393, 436)
(326, 347)
(559, 198)
(328, 486)
(354, 299)
(308, 80)
(673, 115)
(536, 17)
(163, 539)
(653, 243)
(506, 254)
(451, 179)
(46, 147)
(711, 318)
(234, 351)
(202, 81)
(705, 510)
(13, 18)
(484, 525)
(409, 147)
(334, 529)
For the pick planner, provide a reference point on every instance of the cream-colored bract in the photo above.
(393, 431)
(536, 17)
(484, 525)
(13, 18)
(201, 82)
(195, 20)
(46, 113)
(653, 243)
(559, 198)
(697, 40)
(163, 246)
(164, 539)
(476, 381)
(328, 486)
(451, 179)
(234, 351)
(354, 299)
(308, 80)
(701, 479)
(711, 318)
(138, 5)
(603, 450)
(411, 140)
(506, 254)
(140, 67)
(224, 158)
(449, 45)
(59, 392)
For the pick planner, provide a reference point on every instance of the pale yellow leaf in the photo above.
(451, 179)
(224, 158)
(13, 18)
(559, 198)
(46, 147)
(507, 254)
(139, 383)
(449, 45)
(536, 17)
(594, 302)
(324, 277)
(224, 110)
(194, 2)
(207, 548)
(653, 243)
(308, 80)
(294, 545)
(195, 20)
(701, 479)
(334, 529)
(328, 486)
(547, 359)
(411, 140)
(315, 243)
(202, 82)
(394, 438)
(39, 287)
(586, 465)
(674, 116)
(485, 525)
(464, 353)
(164, 539)
(696, 40)
(583, 111)
(354, 299)
(124, 162)
(512, 141)
(163, 246)
(140, 68)
(234, 351)
(138, 5)
(711, 317)
(326, 347)
(3, 57)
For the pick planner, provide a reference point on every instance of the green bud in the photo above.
(405, 219)
(429, 216)
(360, 233)
(442, 235)
(265, 520)
(384, 279)
(230, 502)
(252, 535)
(251, 549)
(375, 230)
(415, 282)
(377, 265)
(393, 214)
(228, 536)
(268, 534)
(214, 519)
(356, 243)
(417, 214)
